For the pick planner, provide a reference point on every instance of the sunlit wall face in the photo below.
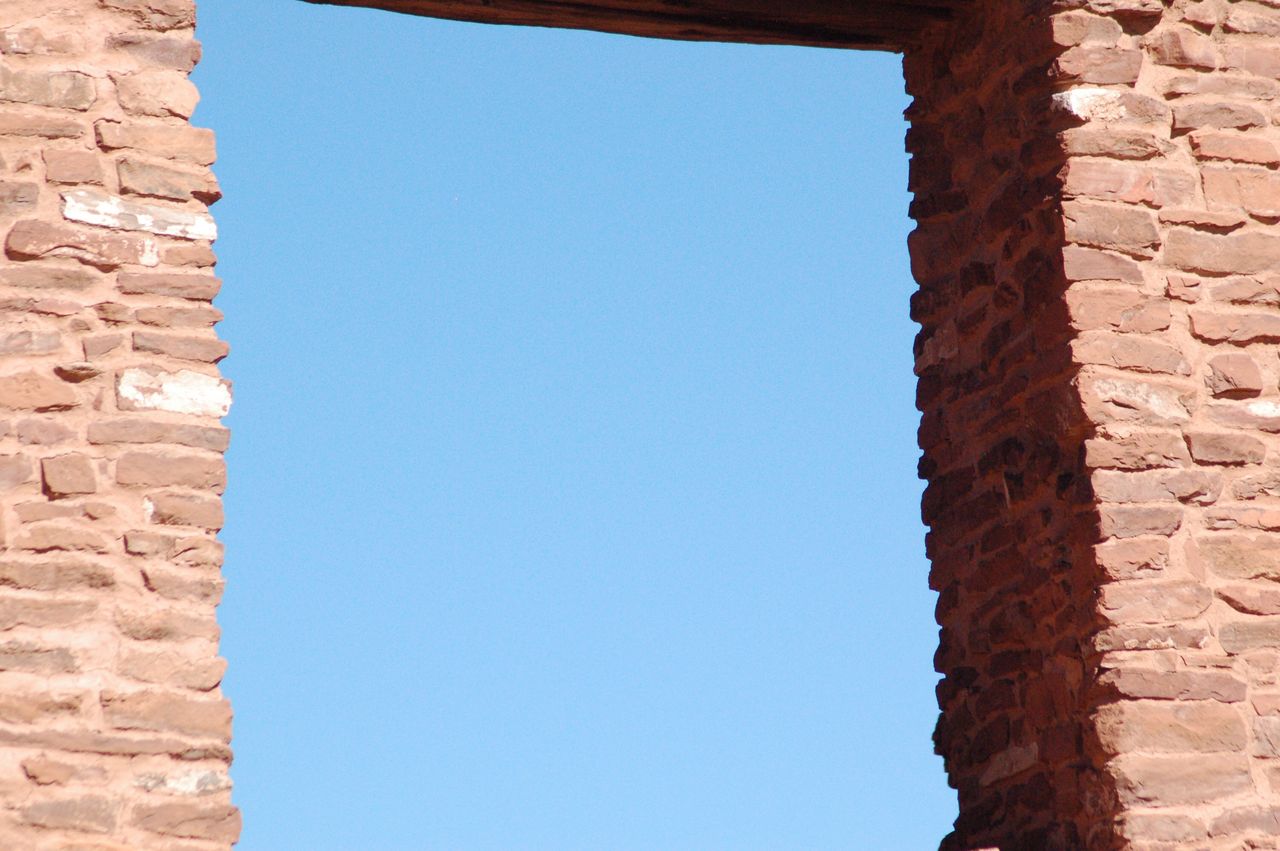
(573, 497)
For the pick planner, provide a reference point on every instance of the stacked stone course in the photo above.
(1097, 199)
(113, 731)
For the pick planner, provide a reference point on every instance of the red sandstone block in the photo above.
(1119, 143)
(195, 287)
(1240, 148)
(178, 53)
(1088, 264)
(148, 430)
(1153, 602)
(46, 537)
(165, 624)
(191, 668)
(1255, 190)
(1228, 518)
(1234, 375)
(138, 177)
(202, 349)
(1257, 414)
(72, 167)
(1132, 521)
(35, 392)
(1249, 291)
(1130, 182)
(1141, 637)
(1128, 229)
(1240, 556)
(1182, 47)
(1129, 352)
(1216, 326)
(1243, 636)
(1139, 450)
(183, 584)
(86, 813)
(157, 93)
(1195, 486)
(173, 141)
(60, 89)
(1097, 63)
(1253, 487)
(1243, 820)
(1254, 599)
(1117, 309)
(1196, 115)
(1172, 685)
(1225, 448)
(1242, 252)
(1133, 558)
(1109, 399)
(14, 122)
(1252, 18)
(165, 469)
(185, 509)
(47, 574)
(1162, 827)
(1261, 58)
(1077, 27)
(1143, 779)
(1152, 726)
(157, 14)
(209, 821)
(163, 712)
(201, 316)
(68, 475)
(32, 239)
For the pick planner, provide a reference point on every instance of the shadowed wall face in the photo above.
(1096, 198)
(112, 726)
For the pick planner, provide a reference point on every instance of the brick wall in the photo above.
(1099, 264)
(113, 732)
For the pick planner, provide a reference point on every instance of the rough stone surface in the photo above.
(1096, 243)
(113, 729)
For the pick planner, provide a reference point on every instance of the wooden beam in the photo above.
(864, 24)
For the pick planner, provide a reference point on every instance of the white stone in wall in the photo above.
(100, 208)
(182, 392)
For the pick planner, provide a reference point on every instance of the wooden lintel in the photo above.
(863, 24)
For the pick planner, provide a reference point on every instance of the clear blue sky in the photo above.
(573, 498)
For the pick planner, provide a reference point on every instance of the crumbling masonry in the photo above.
(1097, 199)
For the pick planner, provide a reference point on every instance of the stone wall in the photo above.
(113, 732)
(1099, 263)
